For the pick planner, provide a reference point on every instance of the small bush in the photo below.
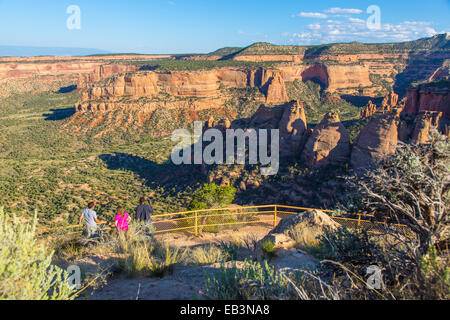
(345, 245)
(268, 247)
(207, 255)
(212, 196)
(26, 270)
(252, 281)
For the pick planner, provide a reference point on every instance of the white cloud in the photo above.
(341, 25)
(312, 15)
(356, 20)
(351, 29)
(430, 31)
(314, 26)
(340, 10)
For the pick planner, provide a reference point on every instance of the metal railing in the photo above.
(217, 219)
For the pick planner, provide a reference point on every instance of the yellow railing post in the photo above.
(196, 224)
(359, 221)
(275, 217)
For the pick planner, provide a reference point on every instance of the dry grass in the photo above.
(206, 255)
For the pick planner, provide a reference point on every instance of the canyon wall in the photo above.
(24, 70)
(181, 84)
(429, 97)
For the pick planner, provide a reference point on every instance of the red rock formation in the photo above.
(377, 140)
(369, 110)
(429, 97)
(25, 70)
(199, 84)
(329, 143)
(276, 90)
(267, 116)
(103, 72)
(389, 102)
(293, 120)
(424, 122)
(293, 128)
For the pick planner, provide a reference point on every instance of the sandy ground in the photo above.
(185, 283)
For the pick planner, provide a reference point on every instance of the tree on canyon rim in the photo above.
(412, 187)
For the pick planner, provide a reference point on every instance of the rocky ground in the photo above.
(186, 282)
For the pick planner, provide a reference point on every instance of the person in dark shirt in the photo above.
(144, 211)
(144, 219)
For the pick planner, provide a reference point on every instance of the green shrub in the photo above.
(208, 197)
(268, 247)
(212, 196)
(252, 281)
(26, 270)
(345, 245)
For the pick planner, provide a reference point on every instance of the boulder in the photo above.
(329, 142)
(377, 140)
(302, 229)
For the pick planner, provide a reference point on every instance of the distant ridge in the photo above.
(440, 42)
(25, 51)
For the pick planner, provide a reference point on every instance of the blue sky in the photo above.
(187, 26)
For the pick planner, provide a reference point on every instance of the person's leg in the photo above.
(92, 231)
(150, 229)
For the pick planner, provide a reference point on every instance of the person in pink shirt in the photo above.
(122, 220)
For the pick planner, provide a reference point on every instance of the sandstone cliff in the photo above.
(433, 96)
(184, 84)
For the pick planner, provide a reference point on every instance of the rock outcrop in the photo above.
(329, 142)
(434, 96)
(102, 72)
(424, 122)
(290, 119)
(389, 102)
(267, 117)
(427, 106)
(293, 129)
(302, 229)
(113, 83)
(369, 110)
(293, 120)
(376, 141)
(276, 90)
